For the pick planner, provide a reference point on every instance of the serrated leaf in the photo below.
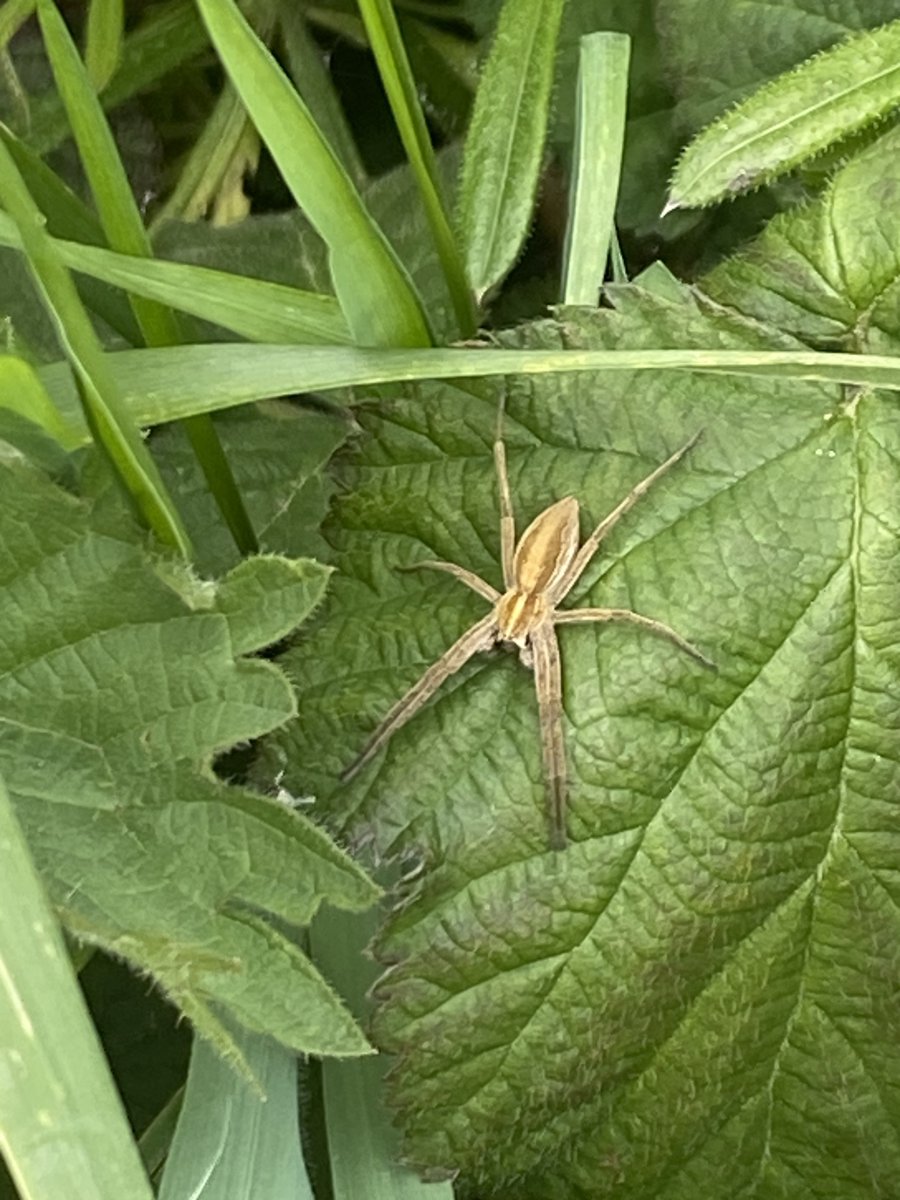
(747, 46)
(694, 997)
(828, 272)
(792, 119)
(279, 451)
(127, 678)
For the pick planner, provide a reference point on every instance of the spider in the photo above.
(539, 571)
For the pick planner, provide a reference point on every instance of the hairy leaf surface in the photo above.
(120, 679)
(699, 995)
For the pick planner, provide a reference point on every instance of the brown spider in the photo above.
(538, 573)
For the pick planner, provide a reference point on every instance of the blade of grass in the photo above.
(505, 142)
(602, 94)
(63, 1133)
(253, 308)
(313, 81)
(235, 1141)
(363, 1146)
(156, 1139)
(105, 30)
(103, 410)
(69, 217)
(171, 35)
(372, 287)
(124, 229)
(156, 384)
(207, 163)
(22, 392)
(400, 86)
(13, 16)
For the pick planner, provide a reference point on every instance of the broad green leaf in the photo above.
(65, 1136)
(238, 1140)
(795, 117)
(699, 996)
(374, 291)
(828, 272)
(597, 161)
(129, 677)
(505, 142)
(279, 452)
(745, 46)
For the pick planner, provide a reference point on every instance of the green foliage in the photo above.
(639, 1013)
(505, 141)
(699, 997)
(128, 678)
(826, 99)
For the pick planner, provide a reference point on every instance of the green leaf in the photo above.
(597, 161)
(236, 1140)
(101, 403)
(171, 35)
(104, 32)
(829, 272)
(373, 289)
(505, 142)
(279, 451)
(747, 46)
(160, 385)
(693, 998)
(125, 675)
(795, 117)
(52, 1068)
(402, 92)
(362, 1142)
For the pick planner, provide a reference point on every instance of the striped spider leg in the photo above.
(539, 571)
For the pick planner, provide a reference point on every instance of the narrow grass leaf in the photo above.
(505, 141)
(68, 217)
(256, 309)
(792, 119)
(363, 1144)
(372, 286)
(312, 80)
(104, 31)
(237, 1140)
(400, 86)
(172, 34)
(223, 136)
(602, 93)
(63, 1133)
(103, 410)
(124, 229)
(158, 385)
(22, 392)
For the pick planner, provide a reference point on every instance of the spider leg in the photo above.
(469, 578)
(548, 685)
(481, 636)
(577, 616)
(507, 517)
(589, 549)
